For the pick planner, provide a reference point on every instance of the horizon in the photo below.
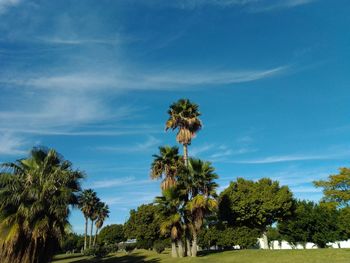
(94, 81)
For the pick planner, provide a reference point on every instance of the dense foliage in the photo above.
(311, 222)
(143, 225)
(112, 234)
(35, 195)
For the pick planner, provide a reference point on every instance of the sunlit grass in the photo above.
(243, 256)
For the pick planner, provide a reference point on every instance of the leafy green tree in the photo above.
(273, 234)
(208, 237)
(143, 224)
(72, 242)
(36, 194)
(256, 205)
(337, 187)
(343, 223)
(112, 234)
(311, 223)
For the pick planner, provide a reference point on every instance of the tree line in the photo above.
(189, 205)
(37, 194)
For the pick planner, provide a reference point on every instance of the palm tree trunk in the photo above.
(194, 244)
(185, 154)
(86, 229)
(173, 249)
(95, 238)
(180, 248)
(92, 226)
(188, 244)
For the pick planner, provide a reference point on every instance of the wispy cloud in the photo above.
(140, 80)
(250, 5)
(286, 158)
(148, 145)
(79, 41)
(265, 6)
(6, 4)
(197, 150)
(138, 198)
(124, 181)
(11, 144)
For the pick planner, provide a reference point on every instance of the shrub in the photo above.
(144, 244)
(130, 247)
(159, 246)
(98, 251)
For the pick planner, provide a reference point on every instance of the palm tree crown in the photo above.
(35, 195)
(166, 165)
(183, 115)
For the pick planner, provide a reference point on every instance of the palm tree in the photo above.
(169, 204)
(166, 165)
(87, 201)
(96, 206)
(36, 194)
(199, 187)
(102, 215)
(183, 115)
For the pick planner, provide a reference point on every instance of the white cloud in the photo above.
(116, 182)
(11, 144)
(78, 41)
(278, 5)
(6, 4)
(123, 80)
(286, 158)
(148, 145)
(250, 5)
(197, 150)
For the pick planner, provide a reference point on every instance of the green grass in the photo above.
(243, 256)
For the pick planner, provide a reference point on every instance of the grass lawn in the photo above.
(243, 256)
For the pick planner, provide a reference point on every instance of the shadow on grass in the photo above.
(67, 256)
(131, 258)
(211, 252)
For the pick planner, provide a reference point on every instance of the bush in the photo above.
(98, 251)
(127, 247)
(159, 246)
(144, 244)
(111, 248)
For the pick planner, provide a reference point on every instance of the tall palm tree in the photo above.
(87, 201)
(96, 206)
(169, 204)
(183, 115)
(102, 215)
(199, 187)
(36, 194)
(166, 165)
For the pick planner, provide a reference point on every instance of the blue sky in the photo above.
(94, 78)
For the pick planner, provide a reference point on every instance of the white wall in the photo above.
(285, 245)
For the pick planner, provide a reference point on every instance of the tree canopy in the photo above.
(255, 204)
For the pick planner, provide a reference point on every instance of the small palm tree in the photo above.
(36, 194)
(96, 206)
(183, 115)
(166, 166)
(102, 215)
(169, 204)
(87, 201)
